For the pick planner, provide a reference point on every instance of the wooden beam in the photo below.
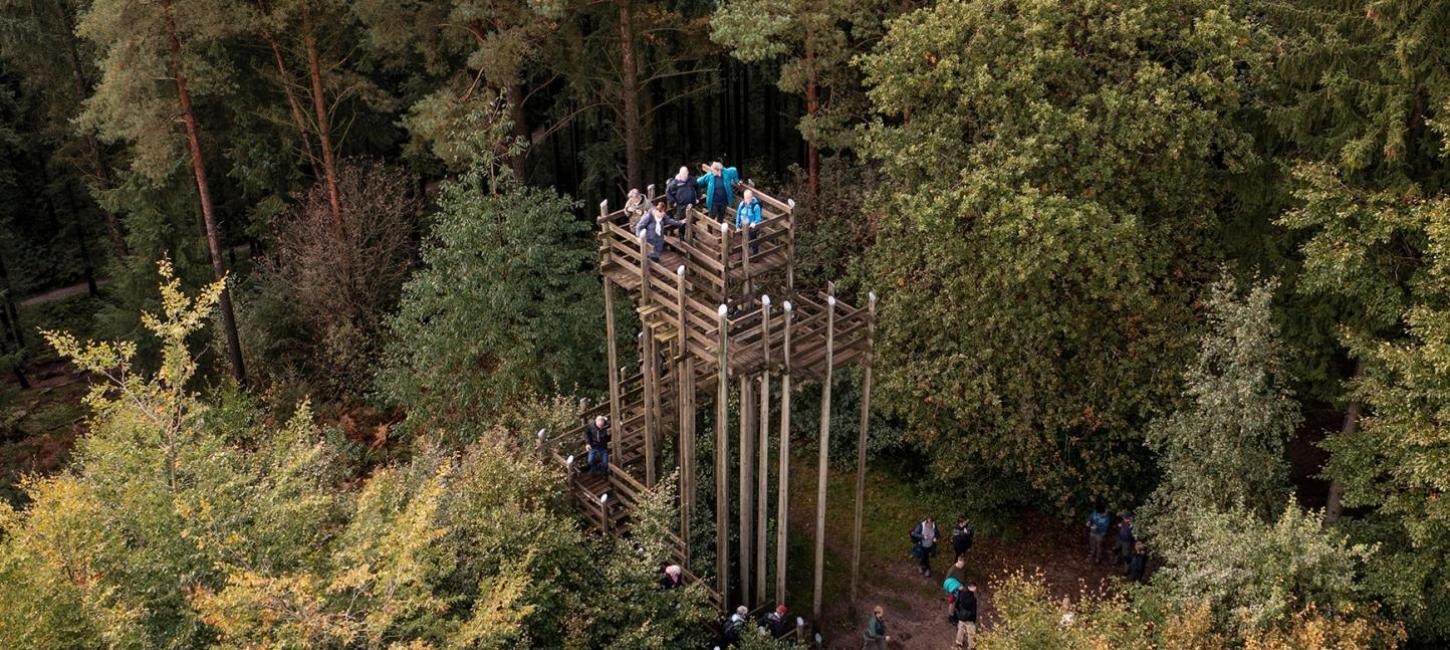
(684, 395)
(747, 486)
(861, 448)
(650, 368)
(722, 467)
(782, 497)
(762, 487)
(823, 466)
(613, 345)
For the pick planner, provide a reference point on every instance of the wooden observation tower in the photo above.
(719, 317)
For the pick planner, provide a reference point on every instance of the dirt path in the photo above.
(61, 294)
(915, 606)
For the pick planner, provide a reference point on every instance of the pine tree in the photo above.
(138, 43)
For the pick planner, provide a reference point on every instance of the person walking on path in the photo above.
(1125, 537)
(683, 194)
(962, 535)
(964, 612)
(651, 229)
(1097, 526)
(923, 539)
(875, 634)
(718, 182)
(596, 439)
(956, 577)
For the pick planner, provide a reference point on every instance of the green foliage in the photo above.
(1031, 619)
(1225, 447)
(504, 308)
(1397, 462)
(1255, 575)
(1050, 176)
(179, 527)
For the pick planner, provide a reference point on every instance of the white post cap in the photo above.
(765, 299)
(831, 300)
(787, 306)
(681, 270)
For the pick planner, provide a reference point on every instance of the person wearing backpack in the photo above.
(1097, 526)
(735, 626)
(923, 543)
(964, 612)
(962, 535)
(777, 623)
(683, 194)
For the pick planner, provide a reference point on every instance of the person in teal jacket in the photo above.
(718, 182)
(747, 216)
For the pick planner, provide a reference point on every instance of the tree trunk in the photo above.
(93, 144)
(629, 93)
(294, 106)
(203, 191)
(79, 229)
(1333, 506)
(813, 154)
(324, 130)
(519, 163)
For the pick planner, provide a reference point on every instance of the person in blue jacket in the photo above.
(718, 182)
(747, 216)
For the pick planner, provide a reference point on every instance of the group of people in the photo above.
(1130, 552)
(961, 591)
(715, 189)
(775, 624)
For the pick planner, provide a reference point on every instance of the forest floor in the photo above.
(915, 606)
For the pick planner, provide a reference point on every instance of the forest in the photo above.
(289, 289)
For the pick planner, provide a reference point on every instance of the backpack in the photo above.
(732, 629)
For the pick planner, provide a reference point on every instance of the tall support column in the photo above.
(613, 345)
(782, 497)
(684, 399)
(861, 446)
(762, 472)
(649, 360)
(825, 444)
(722, 466)
(747, 485)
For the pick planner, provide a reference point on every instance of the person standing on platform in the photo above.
(747, 217)
(635, 204)
(683, 194)
(651, 229)
(718, 182)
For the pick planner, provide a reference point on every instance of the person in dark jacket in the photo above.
(1138, 562)
(683, 194)
(651, 229)
(1126, 538)
(672, 577)
(736, 625)
(964, 610)
(875, 634)
(777, 623)
(962, 535)
(596, 439)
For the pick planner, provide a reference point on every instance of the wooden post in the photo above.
(861, 446)
(649, 359)
(684, 396)
(825, 446)
(790, 246)
(722, 467)
(762, 487)
(613, 345)
(747, 485)
(649, 193)
(725, 259)
(745, 257)
(782, 496)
